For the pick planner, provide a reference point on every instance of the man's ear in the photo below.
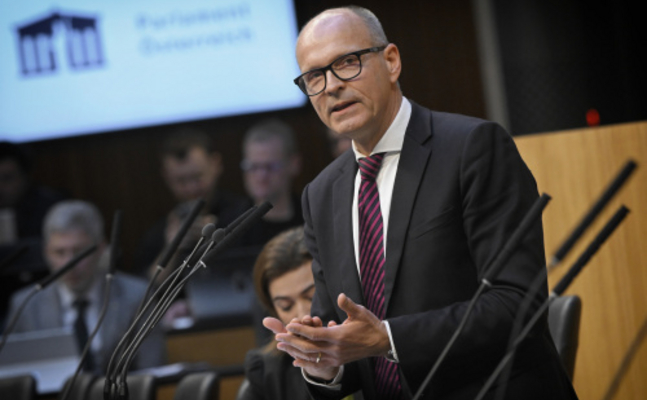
(393, 62)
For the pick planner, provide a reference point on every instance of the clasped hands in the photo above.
(321, 350)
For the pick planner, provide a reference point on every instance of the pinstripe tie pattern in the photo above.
(371, 259)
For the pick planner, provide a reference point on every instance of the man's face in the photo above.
(61, 247)
(268, 171)
(361, 106)
(193, 177)
(13, 183)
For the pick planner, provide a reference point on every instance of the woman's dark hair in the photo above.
(284, 253)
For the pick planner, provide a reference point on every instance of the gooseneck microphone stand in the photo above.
(116, 386)
(600, 204)
(528, 221)
(42, 284)
(114, 256)
(563, 284)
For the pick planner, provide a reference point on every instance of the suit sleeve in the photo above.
(323, 307)
(496, 189)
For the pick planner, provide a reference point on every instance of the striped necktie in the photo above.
(371, 259)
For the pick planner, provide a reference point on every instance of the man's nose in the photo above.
(332, 82)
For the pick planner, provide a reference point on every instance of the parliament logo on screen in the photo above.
(59, 40)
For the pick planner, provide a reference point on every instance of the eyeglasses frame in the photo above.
(358, 53)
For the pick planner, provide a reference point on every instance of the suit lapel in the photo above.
(415, 154)
(344, 246)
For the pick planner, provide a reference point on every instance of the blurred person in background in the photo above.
(23, 206)
(75, 300)
(270, 163)
(24, 203)
(285, 287)
(191, 169)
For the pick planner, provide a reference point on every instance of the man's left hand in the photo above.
(360, 336)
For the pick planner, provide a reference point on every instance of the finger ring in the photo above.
(318, 358)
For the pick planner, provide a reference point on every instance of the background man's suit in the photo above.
(461, 189)
(44, 311)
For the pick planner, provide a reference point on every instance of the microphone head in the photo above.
(218, 235)
(208, 230)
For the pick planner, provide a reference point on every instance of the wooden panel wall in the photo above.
(574, 167)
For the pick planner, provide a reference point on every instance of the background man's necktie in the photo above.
(81, 332)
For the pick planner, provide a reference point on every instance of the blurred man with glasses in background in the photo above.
(270, 163)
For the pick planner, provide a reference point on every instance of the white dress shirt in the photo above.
(391, 144)
(91, 313)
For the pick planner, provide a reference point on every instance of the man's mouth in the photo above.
(342, 106)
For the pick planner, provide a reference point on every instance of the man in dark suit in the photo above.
(76, 299)
(399, 247)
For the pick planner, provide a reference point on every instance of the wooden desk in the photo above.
(220, 348)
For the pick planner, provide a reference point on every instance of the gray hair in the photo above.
(269, 129)
(74, 215)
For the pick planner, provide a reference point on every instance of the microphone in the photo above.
(565, 248)
(491, 272)
(253, 216)
(13, 256)
(591, 250)
(115, 251)
(217, 236)
(590, 216)
(119, 378)
(42, 284)
(231, 226)
(242, 217)
(147, 300)
(114, 255)
(563, 284)
(221, 239)
(529, 220)
(168, 252)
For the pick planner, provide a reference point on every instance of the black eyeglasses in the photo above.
(344, 68)
(269, 167)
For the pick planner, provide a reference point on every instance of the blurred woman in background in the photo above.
(285, 287)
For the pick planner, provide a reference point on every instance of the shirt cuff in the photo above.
(392, 355)
(333, 385)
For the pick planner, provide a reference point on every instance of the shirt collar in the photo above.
(394, 136)
(68, 297)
